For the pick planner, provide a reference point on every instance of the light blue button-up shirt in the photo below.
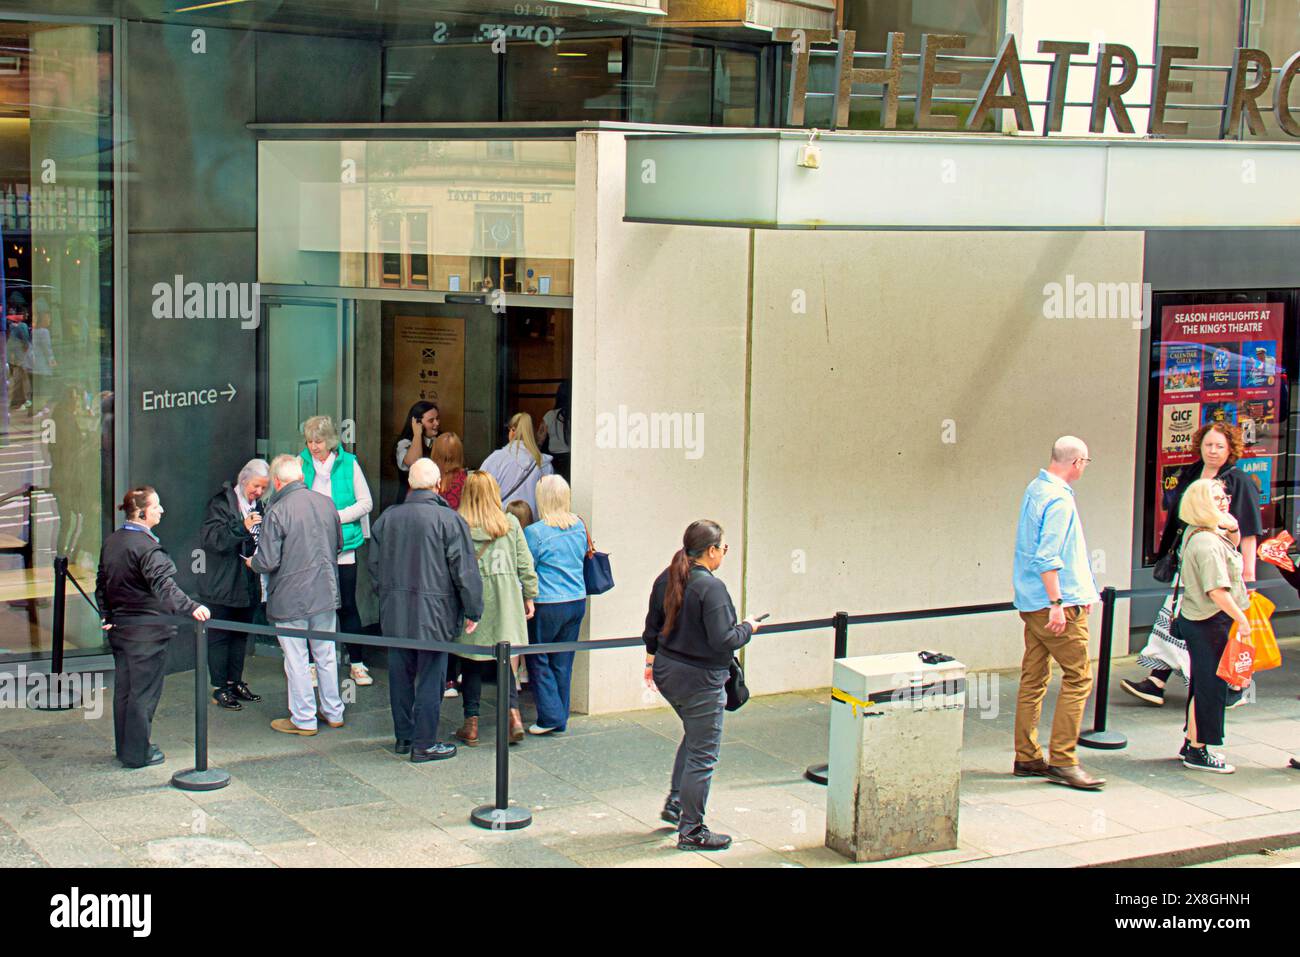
(1050, 537)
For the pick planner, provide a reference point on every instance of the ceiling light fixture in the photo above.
(210, 3)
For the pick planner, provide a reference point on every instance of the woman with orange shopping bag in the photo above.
(1214, 597)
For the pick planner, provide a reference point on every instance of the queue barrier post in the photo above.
(500, 816)
(1099, 738)
(62, 693)
(819, 773)
(200, 777)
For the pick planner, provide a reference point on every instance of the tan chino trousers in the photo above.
(1070, 649)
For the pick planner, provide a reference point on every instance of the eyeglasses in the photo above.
(1084, 461)
(723, 546)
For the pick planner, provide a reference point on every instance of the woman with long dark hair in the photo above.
(691, 633)
(553, 434)
(416, 441)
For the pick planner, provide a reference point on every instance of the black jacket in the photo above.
(424, 569)
(706, 632)
(1241, 489)
(136, 579)
(226, 542)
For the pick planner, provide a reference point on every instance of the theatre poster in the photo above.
(1221, 362)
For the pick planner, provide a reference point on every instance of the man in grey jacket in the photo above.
(425, 572)
(298, 552)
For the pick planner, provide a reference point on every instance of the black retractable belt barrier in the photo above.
(62, 693)
(1099, 737)
(819, 773)
(500, 816)
(200, 777)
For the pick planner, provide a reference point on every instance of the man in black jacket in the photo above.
(425, 572)
(227, 585)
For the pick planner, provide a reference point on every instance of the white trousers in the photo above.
(302, 700)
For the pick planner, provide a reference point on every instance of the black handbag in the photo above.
(737, 690)
(1166, 566)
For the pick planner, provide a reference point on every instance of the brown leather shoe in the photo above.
(469, 732)
(1074, 777)
(320, 716)
(288, 727)
(1030, 769)
(516, 726)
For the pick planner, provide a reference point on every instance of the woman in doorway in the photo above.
(136, 582)
(1220, 449)
(558, 542)
(691, 633)
(509, 587)
(336, 474)
(416, 441)
(519, 464)
(449, 455)
(1214, 597)
(553, 436)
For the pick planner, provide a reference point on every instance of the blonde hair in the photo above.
(480, 504)
(553, 502)
(320, 428)
(1197, 506)
(522, 423)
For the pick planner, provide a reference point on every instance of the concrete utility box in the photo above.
(895, 764)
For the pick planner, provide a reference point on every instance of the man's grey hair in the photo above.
(1068, 448)
(254, 468)
(424, 474)
(286, 468)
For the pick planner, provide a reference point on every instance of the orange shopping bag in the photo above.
(1267, 653)
(1238, 661)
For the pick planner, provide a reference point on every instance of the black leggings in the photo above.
(349, 617)
(1206, 691)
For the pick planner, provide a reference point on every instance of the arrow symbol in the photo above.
(229, 392)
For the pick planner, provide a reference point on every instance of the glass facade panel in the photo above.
(441, 83)
(979, 21)
(1214, 26)
(56, 284)
(1275, 28)
(451, 215)
(567, 80)
(671, 83)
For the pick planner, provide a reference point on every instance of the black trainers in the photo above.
(1144, 690)
(241, 691)
(1182, 752)
(1203, 759)
(402, 747)
(672, 812)
(702, 839)
(225, 698)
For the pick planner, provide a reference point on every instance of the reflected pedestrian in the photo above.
(298, 552)
(136, 583)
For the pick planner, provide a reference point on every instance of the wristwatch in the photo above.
(1058, 602)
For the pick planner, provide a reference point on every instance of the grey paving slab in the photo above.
(196, 851)
(315, 854)
(75, 845)
(518, 849)
(257, 821)
(385, 834)
(15, 851)
(303, 782)
(145, 817)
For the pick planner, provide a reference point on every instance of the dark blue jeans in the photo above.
(550, 675)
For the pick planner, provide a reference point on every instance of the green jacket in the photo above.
(342, 490)
(506, 567)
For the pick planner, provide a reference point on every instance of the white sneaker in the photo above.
(361, 675)
(312, 669)
(451, 692)
(538, 729)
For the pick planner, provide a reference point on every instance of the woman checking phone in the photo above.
(691, 633)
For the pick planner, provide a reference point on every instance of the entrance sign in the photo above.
(155, 400)
(1116, 71)
(429, 365)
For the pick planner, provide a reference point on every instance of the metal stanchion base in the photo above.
(817, 773)
(495, 818)
(1103, 740)
(213, 779)
(64, 695)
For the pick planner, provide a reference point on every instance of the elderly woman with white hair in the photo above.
(225, 583)
(336, 474)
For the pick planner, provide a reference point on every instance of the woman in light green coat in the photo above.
(509, 587)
